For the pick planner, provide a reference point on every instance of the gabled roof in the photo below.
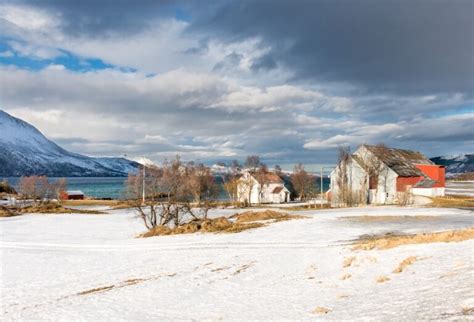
(401, 161)
(268, 177)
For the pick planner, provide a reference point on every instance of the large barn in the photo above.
(378, 174)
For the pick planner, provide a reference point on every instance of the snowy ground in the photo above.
(282, 271)
(462, 188)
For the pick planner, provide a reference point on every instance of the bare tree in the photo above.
(203, 186)
(39, 189)
(253, 162)
(261, 176)
(278, 170)
(177, 193)
(303, 182)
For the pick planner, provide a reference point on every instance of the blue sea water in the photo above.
(97, 187)
(109, 187)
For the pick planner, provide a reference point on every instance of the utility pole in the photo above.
(143, 192)
(321, 177)
(321, 174)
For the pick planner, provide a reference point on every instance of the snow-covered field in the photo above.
(462, 188)
(91, 267)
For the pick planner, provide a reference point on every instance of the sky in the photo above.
(209, 80)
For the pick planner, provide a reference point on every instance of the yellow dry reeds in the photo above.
(217, 225)
(321, 310)
(391, 241)
(382, 279)
(348, 261)
(250, 216)
(404, 264)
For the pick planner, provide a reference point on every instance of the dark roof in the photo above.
(401, 161)
(269, 177)
(277, 190)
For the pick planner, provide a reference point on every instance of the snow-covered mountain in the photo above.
(26, 151)
(456, 164)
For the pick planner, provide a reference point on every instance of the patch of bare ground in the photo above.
(243, 221)
(404, 264)
(382, 279)
(252, 216)
(388, 219)
(452, 202)
(346, 276)
(388, 241)
(321, 310)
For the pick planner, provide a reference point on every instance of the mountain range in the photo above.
(24, 150)
(456, 164)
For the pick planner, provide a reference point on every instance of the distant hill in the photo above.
(456, 165)
(24, 150)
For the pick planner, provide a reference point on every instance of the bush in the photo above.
(6, 188)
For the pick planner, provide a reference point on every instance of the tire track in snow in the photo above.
(171, 247)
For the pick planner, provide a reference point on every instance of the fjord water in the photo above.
(97, 187)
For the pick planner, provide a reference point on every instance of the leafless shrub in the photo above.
(175, 194)
(303, 183)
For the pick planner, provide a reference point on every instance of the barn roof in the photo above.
(401, 161)
(75, 193)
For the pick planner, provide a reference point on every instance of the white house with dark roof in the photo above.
(254, 188)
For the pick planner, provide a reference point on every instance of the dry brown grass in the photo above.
(91, 202)
(390, 241)
(306, 207)
(382, 279)
(243, 221)
(54, 208)
(7, 212)
(348, 261)
(404, 264)
(467, 310)
(388, 219)
(321, 310)
(218, 225)
(452, 202)
(250, 216)
(346, 276)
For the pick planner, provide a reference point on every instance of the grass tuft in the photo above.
(404, 264)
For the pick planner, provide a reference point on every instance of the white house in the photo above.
(383, 175)
(266, 187)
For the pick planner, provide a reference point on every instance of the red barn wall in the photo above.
(403, 182)
(435, 172)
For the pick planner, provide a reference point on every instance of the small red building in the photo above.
(72, 195)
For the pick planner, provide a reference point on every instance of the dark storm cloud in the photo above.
(107, 17)
(409, 47)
